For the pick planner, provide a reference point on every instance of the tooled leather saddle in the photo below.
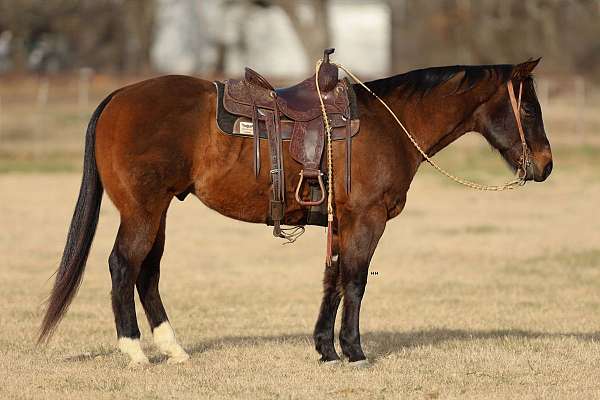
(292, 114)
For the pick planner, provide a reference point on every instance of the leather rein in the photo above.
(525, 160)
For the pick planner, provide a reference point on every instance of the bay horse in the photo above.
(155, 140)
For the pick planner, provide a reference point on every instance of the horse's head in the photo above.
(497, 121)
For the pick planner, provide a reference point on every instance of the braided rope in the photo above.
(329, 147)
(518, 181)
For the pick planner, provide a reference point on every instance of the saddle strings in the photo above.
(518, 181)
(291, 234)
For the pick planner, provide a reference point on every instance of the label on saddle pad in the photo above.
(246, 128)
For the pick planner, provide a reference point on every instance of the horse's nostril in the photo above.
(547, 169)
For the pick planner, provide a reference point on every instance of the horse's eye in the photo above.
(527, 110)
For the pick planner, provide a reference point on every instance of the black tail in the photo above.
(81, 234)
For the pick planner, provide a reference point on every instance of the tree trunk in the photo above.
(314, 35)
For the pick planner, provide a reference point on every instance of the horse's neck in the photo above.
(436, 121)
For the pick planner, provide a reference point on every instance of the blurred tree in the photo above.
(314, 32)
(102, 34)
(117, 35)
(138, 23)
(564, 32)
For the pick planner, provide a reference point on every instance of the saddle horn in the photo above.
(328, 73)
(326, 54)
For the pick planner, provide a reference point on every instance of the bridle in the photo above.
(525, 160)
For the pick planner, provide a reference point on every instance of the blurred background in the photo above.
(58, 58)
(477, 295)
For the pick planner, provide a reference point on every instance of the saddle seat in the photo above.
(300, 102)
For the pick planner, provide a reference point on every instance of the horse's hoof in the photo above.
(359, 364)
(330, 363)
(178, 359)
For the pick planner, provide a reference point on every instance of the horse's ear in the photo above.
(523, 70)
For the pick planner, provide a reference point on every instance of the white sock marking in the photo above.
(165, 340)
(133, 349)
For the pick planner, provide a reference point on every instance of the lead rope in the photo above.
(518, 181)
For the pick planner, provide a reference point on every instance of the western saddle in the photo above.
(293, 113)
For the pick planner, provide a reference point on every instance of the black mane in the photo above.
(421, 81)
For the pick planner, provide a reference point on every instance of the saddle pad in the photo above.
(234, 125)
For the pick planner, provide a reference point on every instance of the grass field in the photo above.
(478, 295)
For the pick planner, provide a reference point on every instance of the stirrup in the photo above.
(312, 174)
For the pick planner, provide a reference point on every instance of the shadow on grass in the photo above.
(90, 355)
(380, 344)
(377, 344)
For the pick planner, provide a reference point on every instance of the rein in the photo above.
(518, 181)
(516, 107)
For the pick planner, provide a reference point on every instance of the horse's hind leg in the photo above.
(135, 239)
(323, 333)
(147, 286)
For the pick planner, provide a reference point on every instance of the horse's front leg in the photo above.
(323, 333)
(359, 235)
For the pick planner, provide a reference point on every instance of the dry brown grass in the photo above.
(478, 296)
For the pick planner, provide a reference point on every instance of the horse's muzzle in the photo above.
(542, 165)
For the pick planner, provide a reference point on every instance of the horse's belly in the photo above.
(245, 203)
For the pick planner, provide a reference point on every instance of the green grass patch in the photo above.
(589, 258)
(579, 265)
(481, 229)
(45, 164)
